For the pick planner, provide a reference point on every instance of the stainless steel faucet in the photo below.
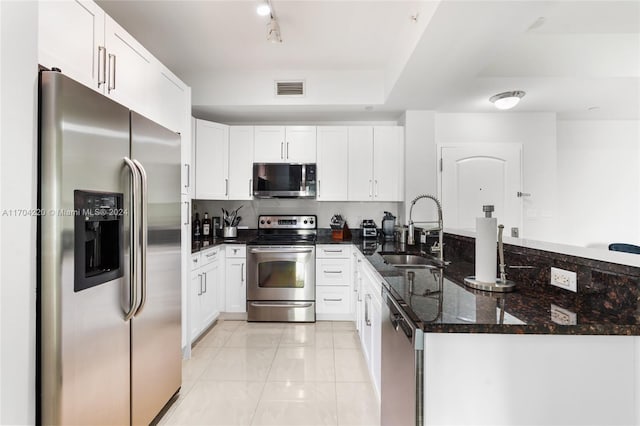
(436, 248)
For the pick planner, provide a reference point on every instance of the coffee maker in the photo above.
(369, 229)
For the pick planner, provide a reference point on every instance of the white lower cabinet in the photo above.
(333, 282)
(236, 278)
(370, 319)
(333, 300)
(206, 280)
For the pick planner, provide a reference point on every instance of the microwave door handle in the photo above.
(143, 228)
(133, 241)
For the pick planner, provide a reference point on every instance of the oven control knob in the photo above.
(305, 222)
(268, 222)
(262, 222)
(311, 221)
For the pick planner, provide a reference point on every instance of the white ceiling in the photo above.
(583, 54)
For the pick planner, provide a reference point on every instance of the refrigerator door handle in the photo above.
(133, 273)
(143, 229)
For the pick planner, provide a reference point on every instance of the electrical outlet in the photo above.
(563, 316)
(564, 279)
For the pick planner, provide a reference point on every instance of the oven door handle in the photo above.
(280, 250)
(281, 305)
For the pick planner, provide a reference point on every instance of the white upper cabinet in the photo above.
(388, 163)
(70, 34)
(268, 146)
(333, 163)
(223, 159)
(211, 160)
(285, 144)
(240, 162)
(129, 69)
(300, 144)
(360, 163)
(376, 158)
(167, 96)
(77, 37)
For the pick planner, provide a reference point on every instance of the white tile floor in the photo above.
(276, 374)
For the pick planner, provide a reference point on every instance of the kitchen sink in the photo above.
(411, 261)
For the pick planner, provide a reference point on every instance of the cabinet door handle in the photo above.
(282, 150)
(332, 272)
(332, 251)
(250, 186)
(318, 192)
(376, 186)
(226, 187)
(205, 282)
(200, 292)
(332, 300)
(242, 272)
(370, 188)
(102, 65)
(287, 150)
(188, 213)
(188, 167)
(367, 320)
(112, 73)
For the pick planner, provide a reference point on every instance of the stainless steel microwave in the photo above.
(284, 180)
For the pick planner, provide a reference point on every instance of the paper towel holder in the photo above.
(502, 284)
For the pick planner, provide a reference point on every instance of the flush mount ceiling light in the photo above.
(507, 100)
(263, 9)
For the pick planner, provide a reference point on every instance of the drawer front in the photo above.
(333, 251)
(195, 261)
(333, 300)
(235, 250)
(333, 272)
(209, 256)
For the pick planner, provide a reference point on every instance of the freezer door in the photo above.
(156, 330)
(84, 338)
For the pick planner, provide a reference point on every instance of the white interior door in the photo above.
(473, 175)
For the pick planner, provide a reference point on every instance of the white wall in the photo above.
(329, 87)
(599, 182)
(18, 139)
(352, 211)
(531, 380)
(537, 134)
(420, 164)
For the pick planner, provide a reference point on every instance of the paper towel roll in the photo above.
(486, 252)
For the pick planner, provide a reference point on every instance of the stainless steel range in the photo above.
(281, 270)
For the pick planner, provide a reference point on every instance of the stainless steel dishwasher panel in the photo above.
(402, 340)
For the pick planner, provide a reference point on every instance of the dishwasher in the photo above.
(402, 366)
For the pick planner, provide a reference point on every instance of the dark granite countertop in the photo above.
(244, 236)
(439, 302)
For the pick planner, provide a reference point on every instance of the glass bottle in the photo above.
(196, 230)
(206, 230)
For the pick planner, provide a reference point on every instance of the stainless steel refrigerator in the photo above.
(109, 260)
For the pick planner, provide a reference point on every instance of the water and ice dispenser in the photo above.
(99, 238)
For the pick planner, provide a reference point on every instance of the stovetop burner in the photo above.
(286, 230)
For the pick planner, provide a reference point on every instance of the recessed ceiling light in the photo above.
(263, 9)
(507, 100)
